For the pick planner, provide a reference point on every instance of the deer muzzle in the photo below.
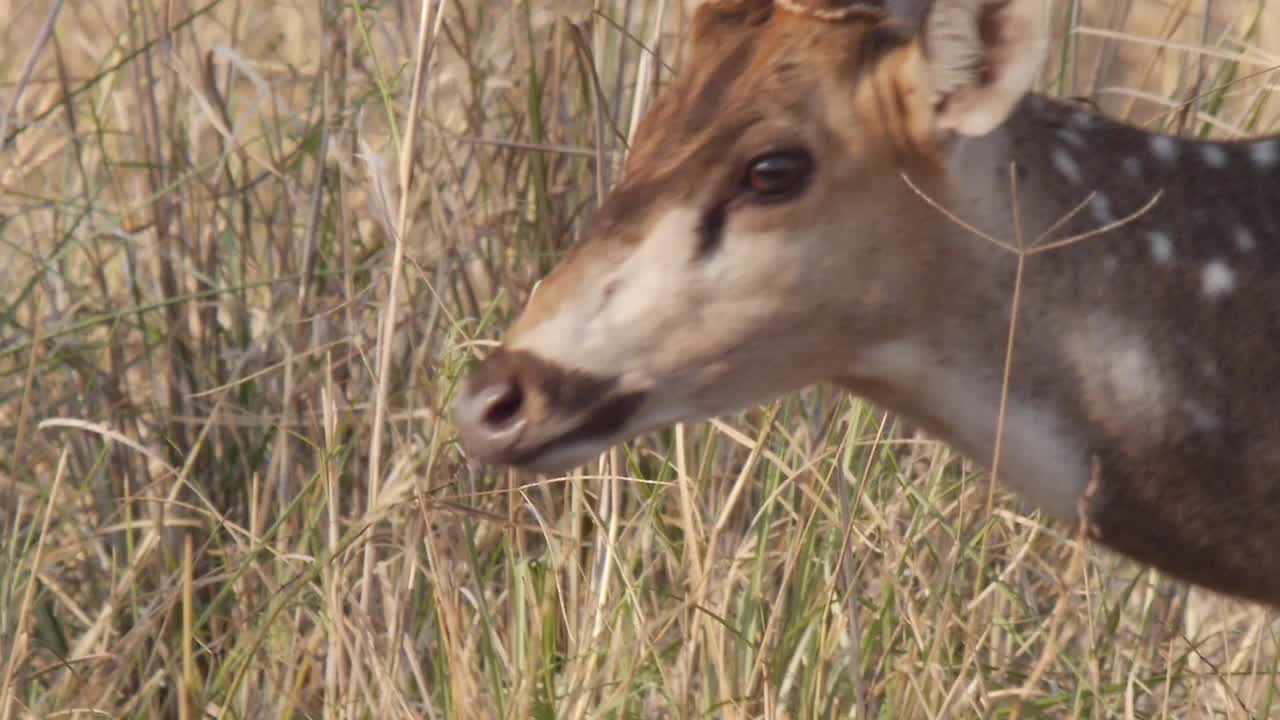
(516, 409)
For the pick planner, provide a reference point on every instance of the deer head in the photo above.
(761, 238)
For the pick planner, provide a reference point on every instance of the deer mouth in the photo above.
(604, 426)
(518, 410)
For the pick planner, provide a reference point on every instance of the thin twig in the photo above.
(42, 39)
(18, 649)
(393, 290)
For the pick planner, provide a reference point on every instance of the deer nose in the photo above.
(490, 410)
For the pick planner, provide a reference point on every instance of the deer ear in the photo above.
(980, 58)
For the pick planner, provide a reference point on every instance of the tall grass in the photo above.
(250, 247)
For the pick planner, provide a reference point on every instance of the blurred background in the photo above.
(248, 248)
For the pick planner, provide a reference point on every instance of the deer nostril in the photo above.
(503, 405)
(492, 408)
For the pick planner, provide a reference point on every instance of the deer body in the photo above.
(763, 238)
(1148, 348)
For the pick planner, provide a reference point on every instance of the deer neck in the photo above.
(1143, 356)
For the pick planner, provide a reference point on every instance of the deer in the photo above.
(816, 198)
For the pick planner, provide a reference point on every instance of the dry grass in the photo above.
(244, 266)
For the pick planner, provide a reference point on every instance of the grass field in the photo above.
(248, 248)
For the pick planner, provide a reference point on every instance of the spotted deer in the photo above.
(827, 194)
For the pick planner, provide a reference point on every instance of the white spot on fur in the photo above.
(1265, 154)
(1218, 279)
(1125, 389)
(1133, 166)
(1209, 369)
(1066, 165)
(1085, 120)
(1164, 148)
(1135, 378)
(1214, 155)
(1202, 418)
(1161, 246)
(1071, 137)
(1100, 206)
(1245, 242)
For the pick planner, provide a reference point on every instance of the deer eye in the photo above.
(779, 175)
